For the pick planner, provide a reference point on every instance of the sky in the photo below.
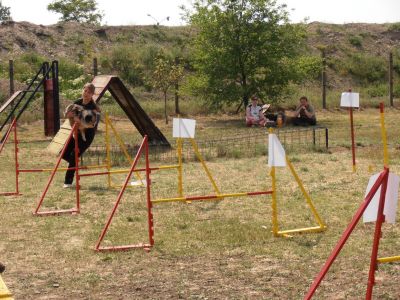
(148, 12)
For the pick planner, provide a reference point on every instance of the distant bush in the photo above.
(124, 60)
(378, 90)
(396, 91)
(366, 68)
(356, 40)
(394, 27)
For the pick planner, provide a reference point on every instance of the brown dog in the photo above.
(86, 117)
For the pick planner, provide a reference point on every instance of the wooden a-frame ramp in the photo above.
(130, 106)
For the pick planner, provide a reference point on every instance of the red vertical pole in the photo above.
(149, 204)
(346, 235)
(16, 155)
(77, 187)
(378, 227)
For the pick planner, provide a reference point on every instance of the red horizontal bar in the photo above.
(259, 193)
(56, 212)
(124, 248)
(9, 194)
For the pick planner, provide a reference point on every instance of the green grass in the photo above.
(222, 249)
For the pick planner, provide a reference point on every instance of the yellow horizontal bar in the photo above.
(388, 259)
(300, 230)
(168, 167)
(217, 197)
(120, 171)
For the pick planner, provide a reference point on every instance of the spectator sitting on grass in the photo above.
(254, 115)
(304, 114)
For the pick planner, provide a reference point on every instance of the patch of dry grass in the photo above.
(203, 250)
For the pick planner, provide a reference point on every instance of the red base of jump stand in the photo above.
(145, 247)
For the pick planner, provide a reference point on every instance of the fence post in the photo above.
(323, 79)
(11, 75)
(391, 78)
(95, 69)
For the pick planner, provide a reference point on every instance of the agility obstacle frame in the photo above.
(12, 128)
(275, 224)
(382, 182)
(146, 246)
(76, 209)
(217, 196)
(386, 164)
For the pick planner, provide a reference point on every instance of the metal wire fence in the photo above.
(241, 145)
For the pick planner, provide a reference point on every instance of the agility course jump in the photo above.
(217, 196)
(383, 190)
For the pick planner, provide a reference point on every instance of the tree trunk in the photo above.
(165, 107)
(177, 111)
(245, 100)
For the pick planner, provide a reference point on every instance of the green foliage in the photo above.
(306, 68)
(366, 68)
(242, 48)
(394, 27)
(356, 40)
(377, 90)
(124, 60)
(72, 78)
(82, 11)
(26, 66)
(5, 14)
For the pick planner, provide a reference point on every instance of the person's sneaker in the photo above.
(67, 185)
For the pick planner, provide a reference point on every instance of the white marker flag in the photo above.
(276, 153)
(350, 100)
(392, 192)
(183, 128)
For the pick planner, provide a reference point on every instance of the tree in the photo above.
(243, 47)
(82, 11)
(165, 75)
(5, 14)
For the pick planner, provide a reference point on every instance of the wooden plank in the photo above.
(8, 102)
(60, 138)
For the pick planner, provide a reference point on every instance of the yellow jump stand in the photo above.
(275, 224)
(386, 164)
(4, 292)
(110, 127)
(138, 179)
(181, 197)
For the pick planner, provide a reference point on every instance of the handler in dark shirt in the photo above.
(69, 155)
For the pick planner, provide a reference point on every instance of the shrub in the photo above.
(356, 40)
(377, 90)
(366, 68)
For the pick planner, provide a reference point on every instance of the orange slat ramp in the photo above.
(130, 106)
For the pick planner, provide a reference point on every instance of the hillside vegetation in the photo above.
(357, 55)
